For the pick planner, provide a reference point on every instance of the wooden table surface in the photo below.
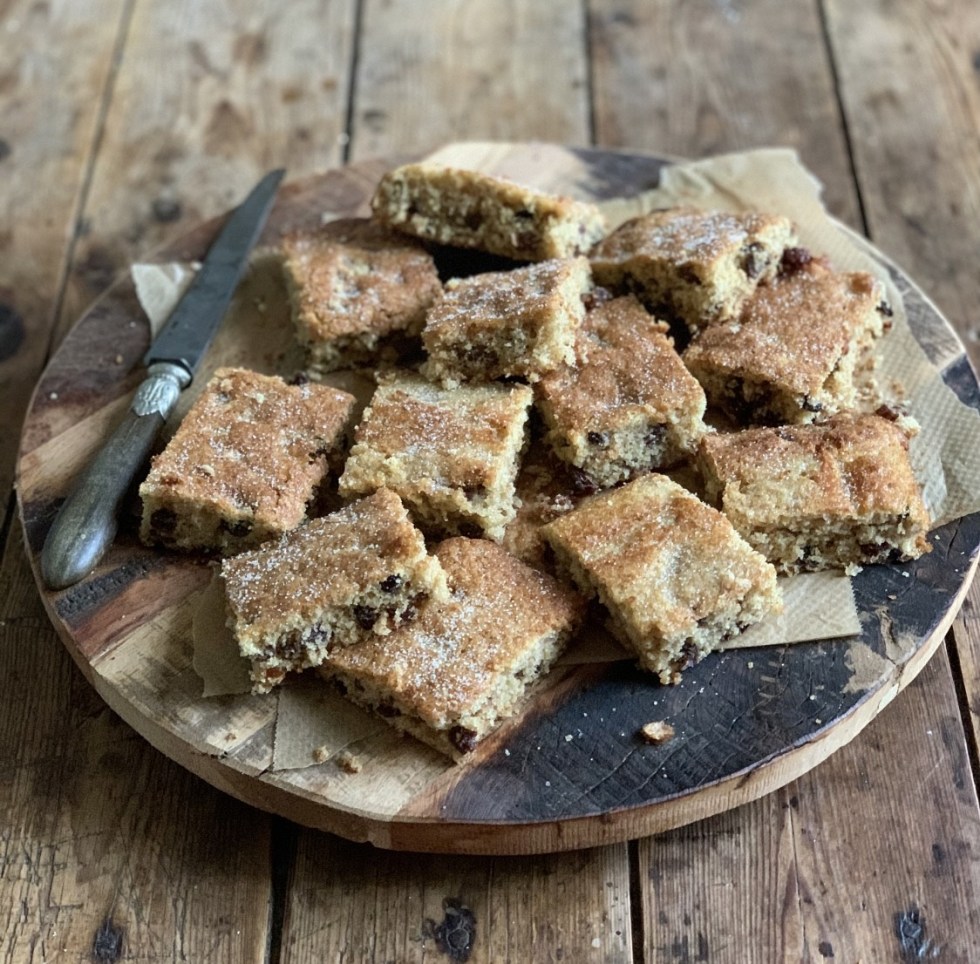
(124, 122)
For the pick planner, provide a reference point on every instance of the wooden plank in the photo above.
(480, 62)
(801, 876)
(107, 848)
(768, 80)
(705, 77)
(914, 138)
(46, 139)
(209, 96)
(349, 902)
(654, 87)
(106, 840)
(469, 70)
(915, 147)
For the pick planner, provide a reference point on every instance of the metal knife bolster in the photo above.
(161, 389)
(86, 523)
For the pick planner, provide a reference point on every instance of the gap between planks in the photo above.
(842, 113)
(58, 327)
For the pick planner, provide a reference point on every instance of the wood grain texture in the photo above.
(349, 902)
(45, 139)
(108, 849)
(916, 138)
(208, 97)
(915, 141)
(106, 845)
(682, 94)
(885, 832)
(692, 79)
(571, 771)
(469, 70)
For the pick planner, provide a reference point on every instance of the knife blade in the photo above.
(86, 524)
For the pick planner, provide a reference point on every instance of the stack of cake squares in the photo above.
(520, 458)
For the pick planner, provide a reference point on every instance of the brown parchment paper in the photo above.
(946, 454)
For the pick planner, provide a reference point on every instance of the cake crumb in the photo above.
(348, 762)
(321, 754)
(656, 732)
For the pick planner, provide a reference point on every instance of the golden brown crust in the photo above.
(507, 323)
(450, 453)
(455, 665)
(470, 209)
(797, 340)
(351, 283)
(674, 575)
(810, 497)
(630, 405)
(329, 583)
(246, 459)
(698, 265)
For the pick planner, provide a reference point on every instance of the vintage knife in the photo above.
(86, 523)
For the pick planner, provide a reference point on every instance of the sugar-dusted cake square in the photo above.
(357, 289)
(507, 324)
(675, 577)
(629, 406)
(358, 572)
(696, 266)
(244, 463)
(463, 666)
(836, 495)
(800, 350)
(544, 489)
(468, 209)
(450, 453)
(521, 323)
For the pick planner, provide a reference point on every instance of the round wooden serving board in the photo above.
(571, 771)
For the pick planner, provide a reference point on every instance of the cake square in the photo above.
(450, 453)
(244, 463)
(463, 666)
(468, 209)
(544, 489)
(696, 266)
(808, 497)
(630, 406)
(674, 575)
(506, 324)
(801, 348)
(356, 290)
(358, 572)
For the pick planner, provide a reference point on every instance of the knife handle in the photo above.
(87, 522)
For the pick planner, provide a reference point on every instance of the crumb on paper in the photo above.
(657, 731)
(321, 754)
(348, 762)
